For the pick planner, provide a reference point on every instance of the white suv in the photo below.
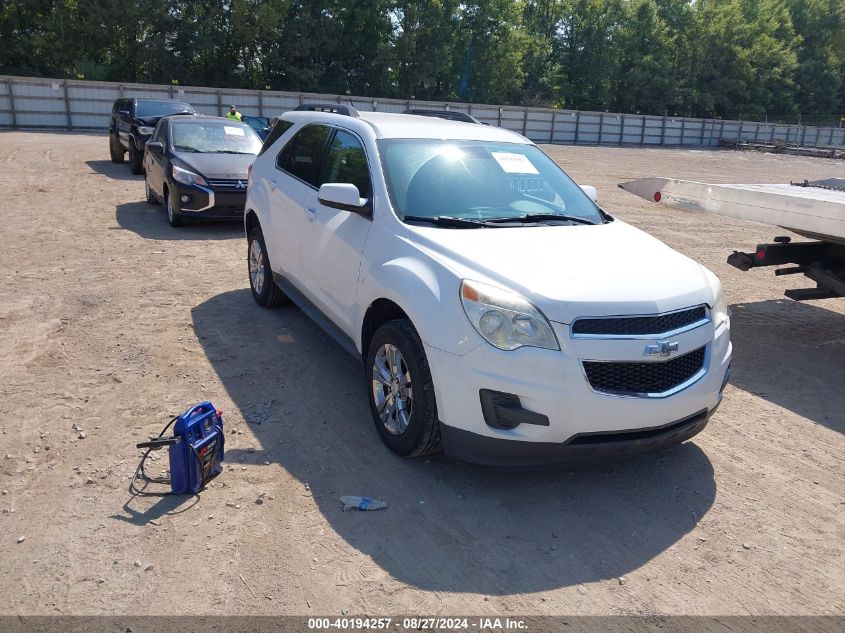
(499, 312)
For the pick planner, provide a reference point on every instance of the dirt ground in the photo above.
(112, 321)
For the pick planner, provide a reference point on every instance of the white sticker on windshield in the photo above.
(233, 131)
(514, 163)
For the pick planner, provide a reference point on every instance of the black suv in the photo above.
(132, 123)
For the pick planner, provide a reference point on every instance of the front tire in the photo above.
(174, 218)
(151, 198)
(264, 289)
(136, 157)
(401, 391)
(115, 150)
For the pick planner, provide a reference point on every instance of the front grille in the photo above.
(627, 378)
(227, 184)
(639, 325)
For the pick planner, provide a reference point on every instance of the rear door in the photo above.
(292, 184)
(332, 240)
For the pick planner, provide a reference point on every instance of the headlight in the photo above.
(146, 131)
(187, 177)
(719, 309)
(505, 319)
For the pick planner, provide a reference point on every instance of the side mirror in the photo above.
(344, 196)
(591, 192)
(155, 147)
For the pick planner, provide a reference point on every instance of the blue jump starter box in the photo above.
(195, 449)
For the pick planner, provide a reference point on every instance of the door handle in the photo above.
(273, 183)
(311, 212)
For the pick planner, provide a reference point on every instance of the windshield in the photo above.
(147, 109)
(216, 137)
(479, 180)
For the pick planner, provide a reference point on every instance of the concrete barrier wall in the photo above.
(37, 103)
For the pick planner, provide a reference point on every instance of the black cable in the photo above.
(143, 475)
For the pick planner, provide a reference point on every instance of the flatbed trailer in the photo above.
(815, 210)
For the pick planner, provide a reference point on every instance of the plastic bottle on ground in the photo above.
(361, 503)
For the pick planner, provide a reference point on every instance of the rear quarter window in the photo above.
(280, 127)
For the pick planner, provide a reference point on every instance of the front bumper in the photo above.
(581, 448)
(553, 384)
(206, 203)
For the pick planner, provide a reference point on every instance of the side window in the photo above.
(161, 133)
(346, 162)
(301, 156)
(281, 126)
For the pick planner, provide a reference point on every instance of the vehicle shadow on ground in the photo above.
(449, 526)
(116, 171)
(150, 222)
(791, 354)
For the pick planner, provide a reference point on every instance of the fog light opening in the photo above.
(185, 198)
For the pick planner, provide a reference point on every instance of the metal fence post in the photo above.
(721, 130)
(67, 106)
(642, 130)
(260, 103)
(621, 129)
(552, 133)
(756, 131)
(499, 120)
(663, 131)
(219, 103)
(709, 133)
(525, 122)
(683, 130)
(601, 126)
(803, 132)
(12, 104)
(577, 126)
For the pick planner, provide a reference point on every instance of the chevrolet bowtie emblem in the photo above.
(662, 349)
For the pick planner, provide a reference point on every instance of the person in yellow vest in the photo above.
(234, 114)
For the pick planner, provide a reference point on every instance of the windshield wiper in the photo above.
(539, 217)
(186, 148)
(226, 151)
(447, 220)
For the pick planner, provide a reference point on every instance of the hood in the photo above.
(222, 166)
(573, 271)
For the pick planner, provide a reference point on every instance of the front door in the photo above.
(332, 240)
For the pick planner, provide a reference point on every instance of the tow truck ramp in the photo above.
(815, 210)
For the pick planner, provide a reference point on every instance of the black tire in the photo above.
(269, 295)
(174, 218)
(115, 150)
(422, 435)
(136, 158)
(151, 197)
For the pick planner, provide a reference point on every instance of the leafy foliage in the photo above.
(680, 57)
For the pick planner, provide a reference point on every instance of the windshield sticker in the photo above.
(514, 163)
(233, 131)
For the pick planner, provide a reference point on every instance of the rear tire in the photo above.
(115, 150)
(264, 289)
(136, 158)
(174, 218)
(401, 391)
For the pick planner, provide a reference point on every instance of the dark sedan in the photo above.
(198, 167)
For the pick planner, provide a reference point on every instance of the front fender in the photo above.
(429, 295)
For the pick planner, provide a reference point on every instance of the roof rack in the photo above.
(451, 115)
(334, 108)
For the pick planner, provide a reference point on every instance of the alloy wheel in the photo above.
(392, 389)
(256, 266)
